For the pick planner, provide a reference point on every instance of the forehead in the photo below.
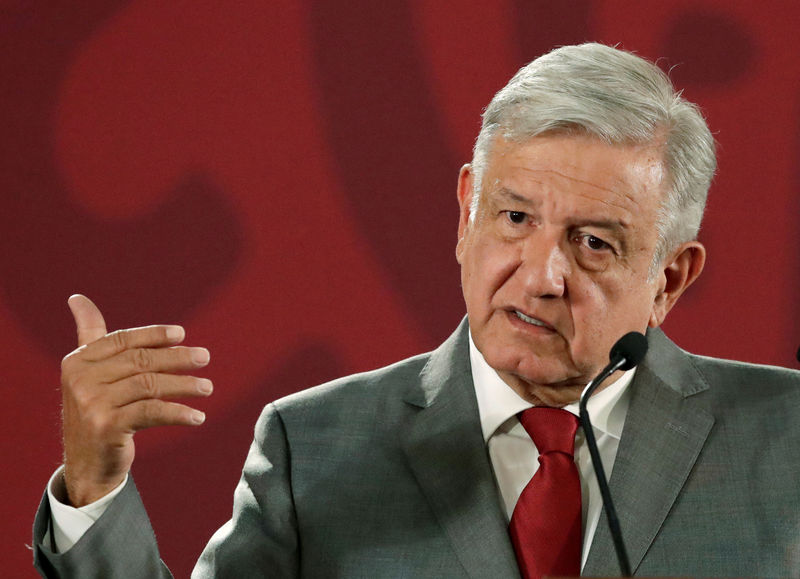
(577, 168)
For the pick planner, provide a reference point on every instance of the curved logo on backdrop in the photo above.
(290, 183)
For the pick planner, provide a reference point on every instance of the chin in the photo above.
(555, 397)
(544, 369)
(508, 356)
(547, 378)
(552, 381)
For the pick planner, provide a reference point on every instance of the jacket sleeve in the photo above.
(261, 538)
(120, 544)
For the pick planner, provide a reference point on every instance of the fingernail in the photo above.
(198, 417)
(200, 356)
(175, 333)
(205, 386)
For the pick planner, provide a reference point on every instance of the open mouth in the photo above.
(532, 321)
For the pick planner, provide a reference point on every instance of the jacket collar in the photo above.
(665, 430)
(445, 450)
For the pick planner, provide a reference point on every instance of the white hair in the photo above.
(619, 98)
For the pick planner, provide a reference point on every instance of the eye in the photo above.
(516, 217)
(594, 243)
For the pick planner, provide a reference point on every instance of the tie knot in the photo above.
(551, 429)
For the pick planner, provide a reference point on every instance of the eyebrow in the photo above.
(612, 225)
(511, 195)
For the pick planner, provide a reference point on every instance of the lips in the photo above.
(532, 321)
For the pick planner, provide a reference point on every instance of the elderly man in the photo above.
(578, 223)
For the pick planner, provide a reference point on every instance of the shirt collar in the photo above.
(498, 402)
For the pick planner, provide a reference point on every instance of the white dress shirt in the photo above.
(514, 456)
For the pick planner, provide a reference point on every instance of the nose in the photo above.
(544, 266)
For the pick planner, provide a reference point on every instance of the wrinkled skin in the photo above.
(113, 385)
(564, 235)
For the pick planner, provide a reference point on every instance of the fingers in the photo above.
(88, 319)
(141, 360)
(95, 343)
(157, 386)
(148, 413)
(121, 341)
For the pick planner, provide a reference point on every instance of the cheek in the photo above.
(606, 311)
(486, 267)
(591, 318)
(603, 310)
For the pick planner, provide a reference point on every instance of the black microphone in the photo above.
(625, 354)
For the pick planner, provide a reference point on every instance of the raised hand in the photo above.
(115, 384)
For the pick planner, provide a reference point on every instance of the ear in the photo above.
(678, 273)
(465, 192)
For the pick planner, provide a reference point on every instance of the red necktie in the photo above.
(545, 527)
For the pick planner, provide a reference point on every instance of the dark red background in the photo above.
(280, 177)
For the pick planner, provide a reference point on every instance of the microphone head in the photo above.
(631, 347)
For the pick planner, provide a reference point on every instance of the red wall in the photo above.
(280, 178)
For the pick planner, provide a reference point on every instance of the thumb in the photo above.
(88, 319)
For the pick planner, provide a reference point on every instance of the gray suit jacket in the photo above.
(385, 474)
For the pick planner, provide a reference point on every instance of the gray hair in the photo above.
(622, 99)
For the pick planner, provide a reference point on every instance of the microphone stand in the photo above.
(616, 363)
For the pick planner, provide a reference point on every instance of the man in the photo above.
(578, 223)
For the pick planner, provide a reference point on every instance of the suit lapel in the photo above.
(445, 450)
(665, 430)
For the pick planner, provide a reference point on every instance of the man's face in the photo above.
(554, 266)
